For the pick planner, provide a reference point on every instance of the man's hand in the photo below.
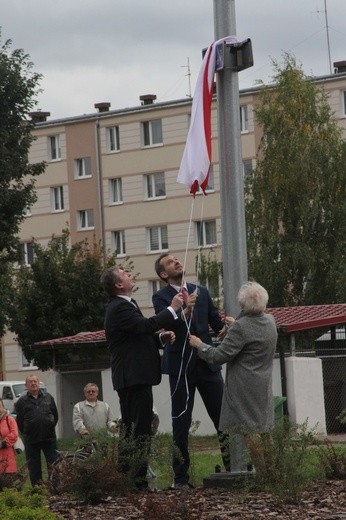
(190, 305)
(168, 336)
(114, 427)
(177, 302)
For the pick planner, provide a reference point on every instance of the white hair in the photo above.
(252, 297)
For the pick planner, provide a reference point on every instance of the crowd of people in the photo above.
(184, 317)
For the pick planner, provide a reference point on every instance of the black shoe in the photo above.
(182, 486)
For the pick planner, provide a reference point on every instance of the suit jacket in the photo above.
(133, 344)
(205, 314)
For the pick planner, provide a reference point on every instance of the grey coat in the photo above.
(248, 349)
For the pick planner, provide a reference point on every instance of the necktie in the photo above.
(185, 294)
(136, 305)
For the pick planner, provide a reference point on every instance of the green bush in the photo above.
(333, 460)
(288, 466)
(30, 504)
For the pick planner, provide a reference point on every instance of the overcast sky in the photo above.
(90, 51)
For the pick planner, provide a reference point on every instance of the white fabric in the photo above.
(196, 160)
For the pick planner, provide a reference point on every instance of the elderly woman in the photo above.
(248, 349)
(8, 437)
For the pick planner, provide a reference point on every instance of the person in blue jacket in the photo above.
(187, 372)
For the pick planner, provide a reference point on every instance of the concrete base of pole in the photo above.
(230, 480)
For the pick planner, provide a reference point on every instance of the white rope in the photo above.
(188, 322)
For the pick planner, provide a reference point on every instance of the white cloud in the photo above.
(115, 50)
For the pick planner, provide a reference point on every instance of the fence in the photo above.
(330, 347)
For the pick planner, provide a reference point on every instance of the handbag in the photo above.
(18, 445)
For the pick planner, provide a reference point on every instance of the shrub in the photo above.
(333, 460)
(30, 504)
(91, 477)
(287, 469)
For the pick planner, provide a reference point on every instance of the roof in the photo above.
(304, 317)
(288, 319)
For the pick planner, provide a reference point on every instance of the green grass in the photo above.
(204, 455)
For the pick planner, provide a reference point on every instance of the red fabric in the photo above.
(195, 164)
(8, 432)
(185, 294)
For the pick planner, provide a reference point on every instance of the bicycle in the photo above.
(68, 458)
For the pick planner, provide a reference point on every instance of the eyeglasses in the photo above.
(91, 391)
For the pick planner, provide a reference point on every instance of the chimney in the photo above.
(102, 107)
(39, 117)
(339, 66)
(147, 99)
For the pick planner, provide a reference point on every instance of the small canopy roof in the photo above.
(288, 319)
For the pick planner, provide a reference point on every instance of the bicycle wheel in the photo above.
(59, 468)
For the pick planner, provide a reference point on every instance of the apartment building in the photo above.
(111, 175)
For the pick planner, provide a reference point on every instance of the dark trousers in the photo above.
(136, 405)
(33, 457)
(210, 387)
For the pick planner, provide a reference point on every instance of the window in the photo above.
(115, 191)
(26, 251)
(58, 242)
(244, 124)
(85, 219)
(54, 147)
(247, 168)
(152, 132)
(57, 198)
(158, 238)
(210, 185)
(155, 185)
(82, 167)
(27, 211)
(118, 243)
(25, 363)
(206, 233)
(113, 139)
(154, 286)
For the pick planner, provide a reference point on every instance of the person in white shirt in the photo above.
(92, 415)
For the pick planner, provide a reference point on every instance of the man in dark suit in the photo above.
(135, 363)
(187, 372)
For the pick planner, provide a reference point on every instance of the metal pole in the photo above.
(328, 42)
(231, 188)
(231, 167)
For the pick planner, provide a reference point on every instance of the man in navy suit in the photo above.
(187, 372)
(135, 363)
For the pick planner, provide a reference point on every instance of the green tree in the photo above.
(18, 88)
(295, 199)
(59, 295)
(209, 273)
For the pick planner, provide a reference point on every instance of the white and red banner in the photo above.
(196, 160)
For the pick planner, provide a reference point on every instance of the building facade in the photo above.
(111, 177)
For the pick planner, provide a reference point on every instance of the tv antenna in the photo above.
(325, 11)
(188, 75)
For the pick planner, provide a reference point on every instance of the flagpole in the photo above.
(231, 166)
(231, 188)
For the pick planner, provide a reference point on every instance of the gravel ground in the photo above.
(323, 501)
